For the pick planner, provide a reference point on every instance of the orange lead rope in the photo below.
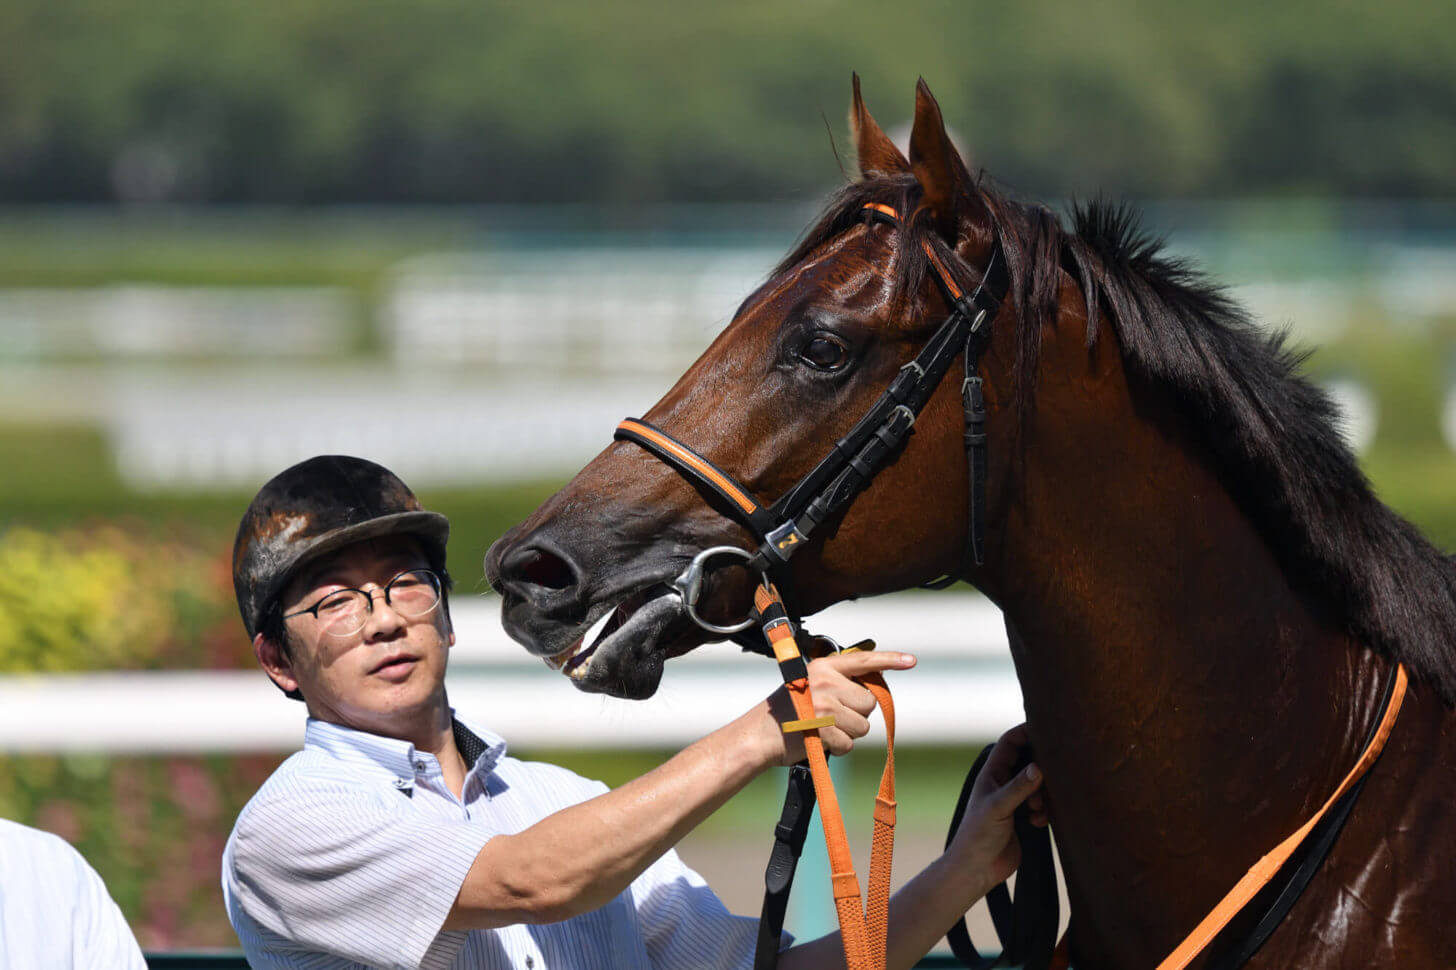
(1265, 869)
(863, 931)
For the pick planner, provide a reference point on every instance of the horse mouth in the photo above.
(623, 651)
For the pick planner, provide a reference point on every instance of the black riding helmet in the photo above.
(314, 508)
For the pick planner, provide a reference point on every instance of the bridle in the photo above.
(833, 484)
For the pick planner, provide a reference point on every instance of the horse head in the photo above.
(803, 358)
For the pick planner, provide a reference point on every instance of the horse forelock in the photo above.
(1271, 433)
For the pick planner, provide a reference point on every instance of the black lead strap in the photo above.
(783, 859)
(1026, 926)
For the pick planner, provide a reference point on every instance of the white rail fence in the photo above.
(963, 689)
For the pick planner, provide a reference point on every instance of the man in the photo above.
(402, 835)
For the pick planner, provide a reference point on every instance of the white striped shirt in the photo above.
(55, 911)
(352, 854)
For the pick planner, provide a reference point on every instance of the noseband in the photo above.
(833, 484)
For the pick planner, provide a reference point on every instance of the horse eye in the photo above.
(824, 352)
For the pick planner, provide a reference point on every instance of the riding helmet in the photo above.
(314, 508)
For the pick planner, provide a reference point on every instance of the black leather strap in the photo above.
(974, 405)
(1027, 926)
(783, 859)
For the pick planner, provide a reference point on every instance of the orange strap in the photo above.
(730, 488)
(1264, 870)
(863, 931)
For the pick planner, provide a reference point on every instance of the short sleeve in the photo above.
(684, 922)
(337, 871)
(54, 909)
(102, 939)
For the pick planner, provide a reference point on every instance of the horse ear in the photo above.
(949, 189)
(877, 154)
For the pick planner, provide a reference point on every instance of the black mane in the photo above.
(1272, 433)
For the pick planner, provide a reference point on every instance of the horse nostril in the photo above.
(539, 567)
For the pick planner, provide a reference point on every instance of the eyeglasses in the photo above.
(343, 613)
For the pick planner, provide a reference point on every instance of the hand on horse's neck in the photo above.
(1173, 680)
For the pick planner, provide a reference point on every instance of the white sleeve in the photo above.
(101, 938)
(54, 908)
(685, 924)
(333, 870)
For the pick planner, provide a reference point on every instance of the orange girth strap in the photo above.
(863, 931)
(1265, 869)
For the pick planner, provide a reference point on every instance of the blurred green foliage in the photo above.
(100, 599)
(452, 100)
(153, 827)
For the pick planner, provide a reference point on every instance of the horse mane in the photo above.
(1273, 435)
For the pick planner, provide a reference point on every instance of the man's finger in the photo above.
(868, 661)
(861, 700)
(1016, 736)
(852, 723)
(1002, 763)
(1016, 791)
(836, 742)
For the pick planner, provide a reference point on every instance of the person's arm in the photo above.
(578, 859)
(983, 853)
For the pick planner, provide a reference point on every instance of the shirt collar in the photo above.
(397, 756)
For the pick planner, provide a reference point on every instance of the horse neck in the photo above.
(1173, 680)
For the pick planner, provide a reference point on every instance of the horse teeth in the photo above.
(594, 631)
(558, 660)
(574, 660)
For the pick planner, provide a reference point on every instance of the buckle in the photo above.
(784, 541)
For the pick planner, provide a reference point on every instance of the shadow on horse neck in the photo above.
(1202, 593)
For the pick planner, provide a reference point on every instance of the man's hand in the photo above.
(986, 838)
(836, 693)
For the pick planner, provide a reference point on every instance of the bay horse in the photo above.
(1203, 596)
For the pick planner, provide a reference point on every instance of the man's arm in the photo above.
(578, 859)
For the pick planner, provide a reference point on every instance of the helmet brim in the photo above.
(431, 527)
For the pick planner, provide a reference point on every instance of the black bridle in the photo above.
(832, 485)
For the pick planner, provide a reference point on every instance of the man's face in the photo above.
(388, 678)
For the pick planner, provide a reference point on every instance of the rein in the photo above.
(863, 927)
